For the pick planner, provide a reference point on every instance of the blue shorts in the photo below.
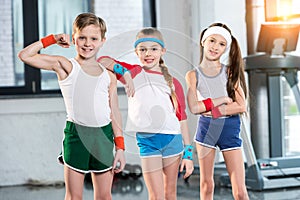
(159, 144)
(221, 132)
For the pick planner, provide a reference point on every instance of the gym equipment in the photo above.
(262, 174)
(274, 168)
(130, 171)
(127, 186)
(279, 170)
(128, 180)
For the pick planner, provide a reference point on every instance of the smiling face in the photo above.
(214, 46)
(88, 41)
(149, 54)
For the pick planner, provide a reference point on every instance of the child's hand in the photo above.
(227, 100)
(119, 161)
(129, 86)
(63, 40)
(222, 100)
(189, 167)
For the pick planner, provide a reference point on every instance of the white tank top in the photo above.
(211, 86)
(86, 97)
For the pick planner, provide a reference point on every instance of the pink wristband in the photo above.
(208, 104)
(216, 112)
(48, 40)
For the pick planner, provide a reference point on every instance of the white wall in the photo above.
(230, 12)
(31, 135)
(32, 129)
(30, 140)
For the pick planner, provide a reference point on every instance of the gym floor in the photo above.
(134, 189)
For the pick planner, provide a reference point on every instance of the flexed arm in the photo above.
(61, 65)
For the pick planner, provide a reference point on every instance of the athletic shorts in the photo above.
(221, 132)
(87, 149)
(159, 144)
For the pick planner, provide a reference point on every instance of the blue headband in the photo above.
(149, 39)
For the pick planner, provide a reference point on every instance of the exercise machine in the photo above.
(269, 165)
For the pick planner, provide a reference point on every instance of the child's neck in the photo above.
(153, 68)
(85, 61)
(211, 68)
(89, 66)
(210, 64)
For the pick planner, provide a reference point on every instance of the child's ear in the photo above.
(73, 40)
(164, 50)
(102, 41)
(202, 44)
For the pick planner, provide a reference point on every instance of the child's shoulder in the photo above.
(191, 73)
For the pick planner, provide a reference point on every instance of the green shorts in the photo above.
(87, 149)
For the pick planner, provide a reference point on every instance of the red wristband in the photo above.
(208, 104)
(216, 112)
(48, 40)
(119, 142)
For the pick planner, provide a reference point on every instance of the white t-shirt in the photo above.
(151, 109)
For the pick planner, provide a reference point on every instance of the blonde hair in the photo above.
(153, 32)
(86, 19)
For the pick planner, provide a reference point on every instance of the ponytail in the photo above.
(169, 80)
(235, 70)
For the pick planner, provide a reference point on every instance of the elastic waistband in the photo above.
(72, 125)
(223, 117)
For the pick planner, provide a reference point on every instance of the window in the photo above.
(291, 117)
(53, 17)
(282, 10)
(25, 21)
(11, 72)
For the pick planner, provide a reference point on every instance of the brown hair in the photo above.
(86, 19)
(164, 69)
(235, 65)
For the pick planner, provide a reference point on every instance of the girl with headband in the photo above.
(217, 92)
(156, 113)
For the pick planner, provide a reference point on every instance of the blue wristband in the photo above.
(119, 69)
(188, 152)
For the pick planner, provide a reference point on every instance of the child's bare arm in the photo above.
(119, 161)
(61, 65)
(187, 163)
(113, 66)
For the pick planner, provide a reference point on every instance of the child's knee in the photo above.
(207, 185)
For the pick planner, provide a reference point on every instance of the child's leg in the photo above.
(73, 183)
(235, 167)
(206, 157)
(102, 184)
(153, 176)
(170, 170)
